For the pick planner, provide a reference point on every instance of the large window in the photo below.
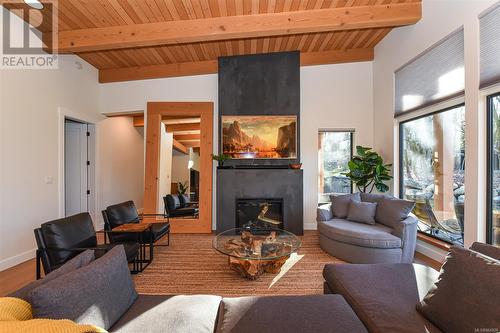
(493, 231)
(432, 165)
(334, 152)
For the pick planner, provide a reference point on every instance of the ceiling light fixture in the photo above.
(36, 4)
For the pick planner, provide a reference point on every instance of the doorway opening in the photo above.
(79, 167)
(178, 168)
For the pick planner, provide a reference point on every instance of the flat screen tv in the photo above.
(259, 137)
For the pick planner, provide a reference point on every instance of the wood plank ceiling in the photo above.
(201, 57)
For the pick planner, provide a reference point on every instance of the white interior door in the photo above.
(75, 168)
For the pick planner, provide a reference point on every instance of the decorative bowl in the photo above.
(295, 166)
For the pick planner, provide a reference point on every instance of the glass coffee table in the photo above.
(253, 251)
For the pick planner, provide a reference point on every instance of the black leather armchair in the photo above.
(179, 206)
(126, 212)
(60, 240)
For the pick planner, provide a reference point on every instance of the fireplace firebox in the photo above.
(265, 213)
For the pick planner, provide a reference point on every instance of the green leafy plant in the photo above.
(182, 187)
(221, 158)
(368, 171)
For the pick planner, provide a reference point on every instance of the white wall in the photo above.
(121, 155)
(29, 141)
(33, 104)
(332, 96)
(440, 18)
(165, 176)
(180, 171)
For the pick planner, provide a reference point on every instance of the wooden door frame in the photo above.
(155, 112)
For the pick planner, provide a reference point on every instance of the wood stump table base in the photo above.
(252, 269)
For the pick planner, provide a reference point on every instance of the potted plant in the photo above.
(182, 187)
(368, 171)
(220, 159)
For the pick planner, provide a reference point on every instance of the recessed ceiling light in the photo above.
(36, 4)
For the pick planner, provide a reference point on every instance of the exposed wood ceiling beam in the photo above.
(238, 27)
(191, 143)
(124, 114)
(139, 121)
(211, 67)
(180, 147)
(183, 127)
(187, 137)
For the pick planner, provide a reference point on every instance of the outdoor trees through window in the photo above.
(334, 152)
(432, 165)
(493, 231)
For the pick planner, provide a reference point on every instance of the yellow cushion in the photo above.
(12, 308)
(16, 316)
(47, 326)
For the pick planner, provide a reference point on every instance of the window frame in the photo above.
(489, 166)
(400, 153)
(351, 150)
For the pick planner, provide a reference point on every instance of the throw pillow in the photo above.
(80, 260)
(14, 309)
(184, 200)
(340, 204)
(373, 197)
(486, 249)
(98, 294)
(48, 326)
(363, 212)
(465, 296)
(391, 211)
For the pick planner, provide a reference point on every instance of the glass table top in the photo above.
(256, 243)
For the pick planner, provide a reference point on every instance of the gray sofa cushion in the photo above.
(175, 314)
(465, 297)
(486, 249)
(283, 314)
(383, 296)
(98, 294)
(373, 197)
(362, 212)
(376, 235)
(340, 204)
(80, 260)
(324, 212)
(391, 211)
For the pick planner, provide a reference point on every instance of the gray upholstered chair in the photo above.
(367, 243)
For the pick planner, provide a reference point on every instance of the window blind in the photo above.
(489, 29)
(434, 76)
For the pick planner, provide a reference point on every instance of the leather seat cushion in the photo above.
(185, 211)
(122, 213)
(75, 231)
(375, 236)
(159, 230)
(131, 250)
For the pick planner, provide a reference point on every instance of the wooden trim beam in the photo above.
(139, 121)
(238, 27)
(157, 71)
(191, 144)
(180, 147)
(187, 137)
(183, 127)
(211, 67)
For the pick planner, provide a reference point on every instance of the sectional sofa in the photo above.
(358, 298)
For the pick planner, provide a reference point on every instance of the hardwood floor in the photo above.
(191, 266)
